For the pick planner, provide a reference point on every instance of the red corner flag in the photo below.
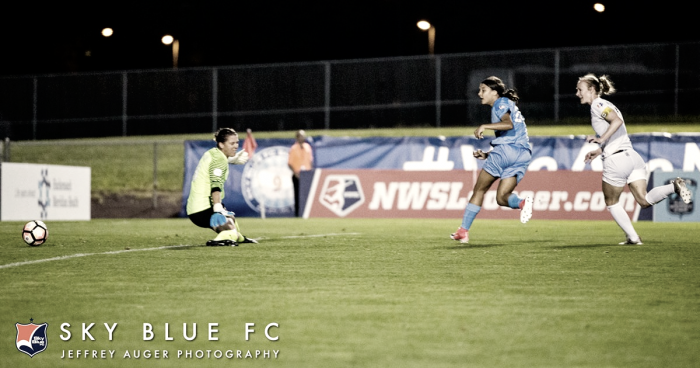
(249, 145)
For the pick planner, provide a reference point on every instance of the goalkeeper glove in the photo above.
(239, 158)
(217, 219)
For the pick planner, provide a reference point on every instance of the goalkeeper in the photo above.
(204, 204)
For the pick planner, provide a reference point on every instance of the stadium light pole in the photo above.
(426, 26)
(169, 40)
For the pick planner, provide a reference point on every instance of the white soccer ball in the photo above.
(35, 233)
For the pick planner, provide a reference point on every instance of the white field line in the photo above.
(311, 236)
(85, 255)
(78, 255)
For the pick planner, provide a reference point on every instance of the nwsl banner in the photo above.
(429, 194)
(264, 184)
(662, 151)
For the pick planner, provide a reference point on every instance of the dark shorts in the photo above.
(202, 218)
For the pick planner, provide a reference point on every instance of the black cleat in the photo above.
(221, 243)
(248, 240)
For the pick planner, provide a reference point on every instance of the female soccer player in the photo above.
(621, 163)
(204, 204)
(508, 159)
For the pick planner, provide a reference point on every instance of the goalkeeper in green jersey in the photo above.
(204, 206)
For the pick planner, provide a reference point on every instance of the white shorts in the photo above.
(623, 168)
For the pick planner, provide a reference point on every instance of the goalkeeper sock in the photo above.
(228, 235)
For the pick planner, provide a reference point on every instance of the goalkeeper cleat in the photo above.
(682, 191)
(461, 234)
(249, 240)
(526, 209)
(221, 243)
(632, 242)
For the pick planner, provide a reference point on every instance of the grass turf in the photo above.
(361, 293)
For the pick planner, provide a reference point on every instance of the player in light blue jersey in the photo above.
(204, 203)
(621, 163)
(508, 159)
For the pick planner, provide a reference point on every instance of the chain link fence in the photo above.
(660, 80)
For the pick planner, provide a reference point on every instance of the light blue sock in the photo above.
(469, 215)
(514, 201)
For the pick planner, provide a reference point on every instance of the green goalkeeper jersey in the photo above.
(210, 175)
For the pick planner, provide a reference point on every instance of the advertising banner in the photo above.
(44, 192)
(562, 195)
(263, 186)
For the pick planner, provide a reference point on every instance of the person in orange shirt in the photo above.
(300, 159)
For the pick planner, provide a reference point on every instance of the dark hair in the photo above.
(222, 134)
(603, 85)
(497, 85)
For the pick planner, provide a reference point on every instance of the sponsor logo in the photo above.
(266, 182)
(342, 194)
(44, 187)
(31, 338)
(447, 196)
(418, 196)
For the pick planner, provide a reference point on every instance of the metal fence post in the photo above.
(214, 99)
(35, 107)
(155, 174)
(557, 72)
(676, 81)
(438, 91)
(124, 102)
(327, 97)
(6, 150)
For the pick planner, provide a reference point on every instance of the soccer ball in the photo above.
(35, 232)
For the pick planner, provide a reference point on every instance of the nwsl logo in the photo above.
(342, 194)
(31, 338)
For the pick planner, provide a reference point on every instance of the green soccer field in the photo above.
(355, 293)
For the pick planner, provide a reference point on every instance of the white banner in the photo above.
(44, 192)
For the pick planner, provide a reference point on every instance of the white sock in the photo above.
(623, 220)
(660, 193)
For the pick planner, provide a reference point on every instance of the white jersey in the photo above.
(619, 140)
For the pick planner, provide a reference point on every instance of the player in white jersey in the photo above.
(621, 163)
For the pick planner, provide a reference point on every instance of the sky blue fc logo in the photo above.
(31, 338)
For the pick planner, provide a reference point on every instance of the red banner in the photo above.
(444, 194)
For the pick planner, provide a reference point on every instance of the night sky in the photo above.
(64, 37)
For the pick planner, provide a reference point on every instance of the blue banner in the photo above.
(263, 186)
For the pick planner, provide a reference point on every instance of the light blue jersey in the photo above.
(511, 153)
(516, 136)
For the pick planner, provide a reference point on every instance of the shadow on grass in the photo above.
(475, 246)
(584, 246)
(189, 247)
